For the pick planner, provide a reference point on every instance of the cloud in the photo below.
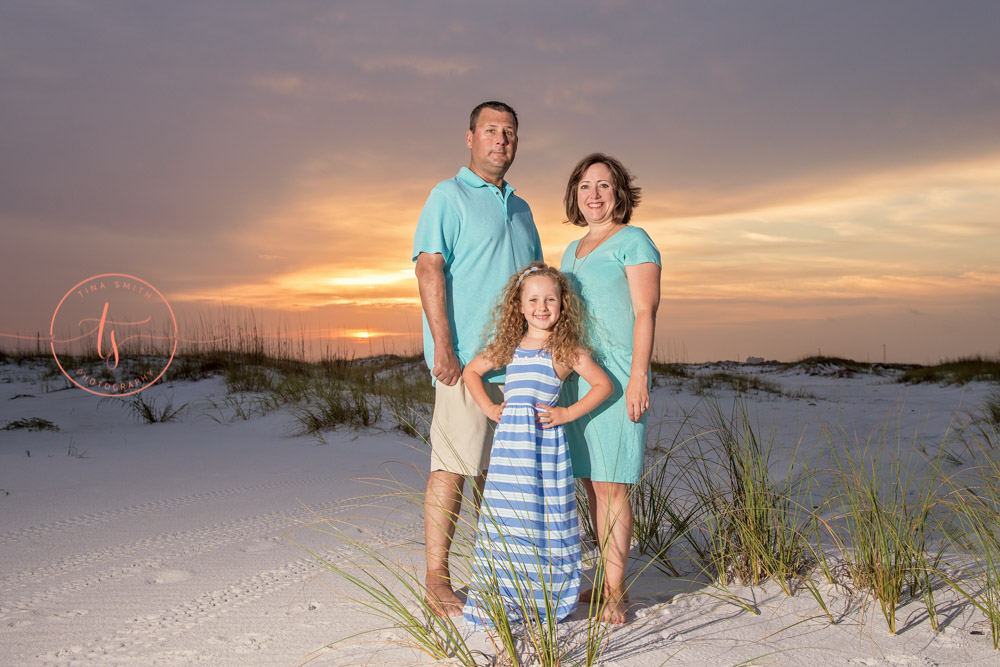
(422, 66)
(792, 158)
(283, 84)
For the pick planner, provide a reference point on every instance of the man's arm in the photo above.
(434, 300)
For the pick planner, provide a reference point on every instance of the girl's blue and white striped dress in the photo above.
(527, 553)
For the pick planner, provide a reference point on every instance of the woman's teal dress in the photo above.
(605, 445)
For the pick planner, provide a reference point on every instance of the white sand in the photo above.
(168, 544)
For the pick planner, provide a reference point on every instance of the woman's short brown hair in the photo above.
(626, 195)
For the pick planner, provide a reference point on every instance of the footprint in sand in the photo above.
(948, 637)
(249, 643)
(67, 615)
(168, 576)
(264, 544)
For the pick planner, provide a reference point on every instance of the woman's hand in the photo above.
(551, 416)
(496, 412)
(644, 289)
(636, 398)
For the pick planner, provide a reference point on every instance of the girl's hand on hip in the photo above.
(550, 416)
(636, 399)
(496, 412)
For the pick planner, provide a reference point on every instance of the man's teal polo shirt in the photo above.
(484, 235)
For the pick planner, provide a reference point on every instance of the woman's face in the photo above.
(595, 194)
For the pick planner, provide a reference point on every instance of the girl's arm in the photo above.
(644, 289)
(473, 377)
(600, 389)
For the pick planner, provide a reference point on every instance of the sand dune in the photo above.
(126, 543)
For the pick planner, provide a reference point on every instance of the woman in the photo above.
(616, 271)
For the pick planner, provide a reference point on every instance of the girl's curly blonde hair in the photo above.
(508, 325)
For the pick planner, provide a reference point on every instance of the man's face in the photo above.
(493, 144)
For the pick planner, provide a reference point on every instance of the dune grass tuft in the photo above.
(958, 371)
(150, 410)
(754, 524)
(31, 424)
(887, 518)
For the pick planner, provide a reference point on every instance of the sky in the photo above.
(820, 177)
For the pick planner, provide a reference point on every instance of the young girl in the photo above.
(528, 546)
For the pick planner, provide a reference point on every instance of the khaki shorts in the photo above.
(461, 435)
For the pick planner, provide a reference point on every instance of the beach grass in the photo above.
(716, 495)
(957, 371)
(887, 516)
(753, 523)
(151, 410)
(31, 424)
(974, 514)
(986, 422)
(709, 490)
(390, 588)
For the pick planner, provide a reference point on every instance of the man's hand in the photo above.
(446, 367)
(433, 299)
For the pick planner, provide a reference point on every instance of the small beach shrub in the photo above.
(249, 378)
(823, 364)
(988, 422)
(958, 371)
(357, 393)
(329, 407)
(31, 424)
(242, 406)
(670, 371)
(742, 384)
(292, 387)
(195, 367)
(150, 410)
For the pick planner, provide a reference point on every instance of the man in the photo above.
(473, 233)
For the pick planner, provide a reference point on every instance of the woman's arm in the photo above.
(600, 389)
(473, 377)
(644, 289)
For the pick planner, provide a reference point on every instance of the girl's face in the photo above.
(540, 302)
(595, 194)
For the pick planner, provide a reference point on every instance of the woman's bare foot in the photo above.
(614, 611)
(588, 595)
(442, 600)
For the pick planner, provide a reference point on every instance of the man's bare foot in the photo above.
(443, 601)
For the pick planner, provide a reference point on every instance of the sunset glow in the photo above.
(810, 184)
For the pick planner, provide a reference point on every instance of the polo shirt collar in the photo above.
(473, 180)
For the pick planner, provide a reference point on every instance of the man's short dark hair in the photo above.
(496, 106)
